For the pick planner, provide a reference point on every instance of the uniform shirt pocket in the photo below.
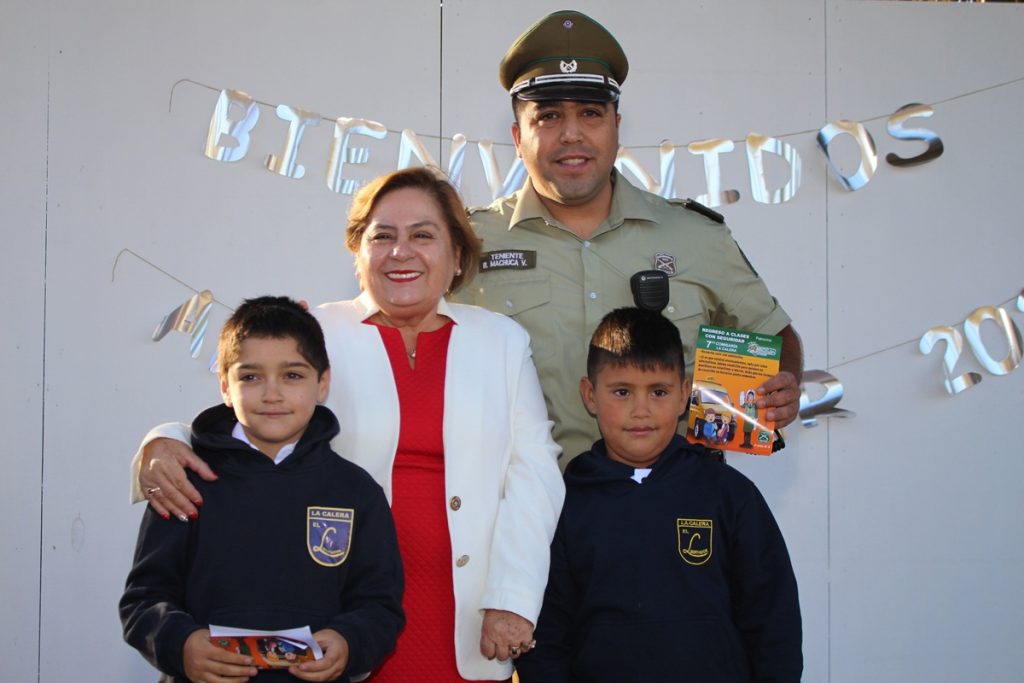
(510, 295)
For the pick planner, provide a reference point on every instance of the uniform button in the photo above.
(462, 561)
(671, 309)
(586, 244)
(455, 503)
(593, 295)
(508, 303)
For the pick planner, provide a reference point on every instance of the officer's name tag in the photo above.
(517, 260)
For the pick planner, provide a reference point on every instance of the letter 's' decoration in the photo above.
(896, 129)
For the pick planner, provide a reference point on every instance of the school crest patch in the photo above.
(695, 540)
(328, 534)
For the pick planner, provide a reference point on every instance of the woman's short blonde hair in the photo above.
(448, 201)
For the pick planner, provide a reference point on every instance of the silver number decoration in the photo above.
(896, 129)
(191, 317)
(954, 348)
(342, 151)
(298, 121)
(514, 179)
(228, 137)
(757, 145)
(868, 153)
(972, 330)
(710, 150)
(823, 405)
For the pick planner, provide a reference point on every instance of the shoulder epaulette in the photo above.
(702, 210)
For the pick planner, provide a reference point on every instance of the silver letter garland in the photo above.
(228, 140)
(191, 317)
(897, 130)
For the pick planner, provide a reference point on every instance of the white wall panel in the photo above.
(23, 91)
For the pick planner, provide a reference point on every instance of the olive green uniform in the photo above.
(559, 286)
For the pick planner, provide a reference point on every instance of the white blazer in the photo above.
(500, 459)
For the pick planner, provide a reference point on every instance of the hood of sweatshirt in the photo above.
(595, 468)
(211, 432)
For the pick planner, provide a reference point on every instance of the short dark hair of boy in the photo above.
(272, 317)
(638, 338)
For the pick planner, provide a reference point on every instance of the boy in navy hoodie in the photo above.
(293, 535)
(666, 565)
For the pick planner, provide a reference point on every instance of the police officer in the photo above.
(558, 254)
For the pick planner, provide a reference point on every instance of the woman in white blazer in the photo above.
(493, 466)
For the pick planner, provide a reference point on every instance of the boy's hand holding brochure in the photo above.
(328, 667)
(320, 656)
(203, 661)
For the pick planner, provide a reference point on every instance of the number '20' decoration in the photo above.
(954, 340)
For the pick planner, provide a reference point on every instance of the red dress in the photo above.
(426, 647)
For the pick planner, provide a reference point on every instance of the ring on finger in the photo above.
(151, 490)
(514, 651)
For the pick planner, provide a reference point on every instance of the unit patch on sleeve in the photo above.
(328, 534)
(695, 540)
(509, 259)
(665, 262)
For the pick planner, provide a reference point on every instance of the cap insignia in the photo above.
(569, 67)
(567, 23)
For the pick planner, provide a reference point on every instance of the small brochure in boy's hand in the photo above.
(268, 649)
(728, 367)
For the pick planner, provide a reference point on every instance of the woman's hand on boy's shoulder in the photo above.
(204, 662)
(331, 665)
(162, 478)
